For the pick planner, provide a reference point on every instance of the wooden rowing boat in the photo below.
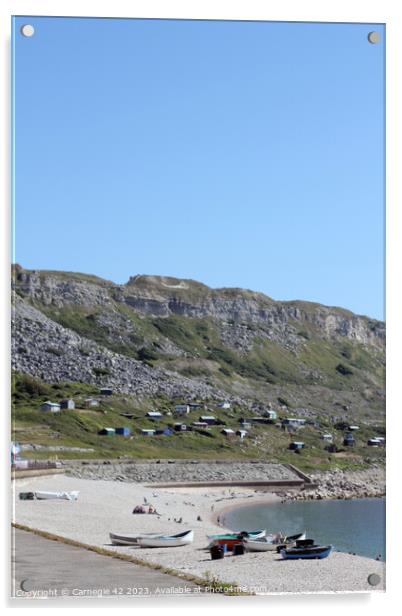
(307, 552)
(233, 538)
(167, 541)
(245, 533)
(270, 543)
(118, 539)
(38, 495)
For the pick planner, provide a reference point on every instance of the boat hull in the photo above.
(129, 539)
(229, 543)
(306, 553)
(270, 543)
(230, 539)
(252, 533)
(261, 545)
(56, 495)
(167, 541)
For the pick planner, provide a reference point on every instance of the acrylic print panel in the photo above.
(198, 307)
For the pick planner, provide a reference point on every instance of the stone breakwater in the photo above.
(335, 484)
(180, 471)
(340, 484)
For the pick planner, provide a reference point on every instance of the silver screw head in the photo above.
(373, 579)
(373, 37)
(27, 30)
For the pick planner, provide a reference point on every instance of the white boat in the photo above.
(262, 544)
(130, 539)
(56, 495)
(167, 541)
(270, 542)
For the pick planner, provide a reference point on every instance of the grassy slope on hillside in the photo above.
(318, 360)
(79, 428)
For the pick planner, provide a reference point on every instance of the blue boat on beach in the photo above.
(306, 551)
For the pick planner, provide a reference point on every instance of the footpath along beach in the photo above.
(106, 506)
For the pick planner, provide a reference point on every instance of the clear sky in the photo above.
(238, 154)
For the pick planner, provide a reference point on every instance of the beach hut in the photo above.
(199, 424)
(182, 409)
(163, 432)
(68, 403)
(90, 403)
(270, 414)
(353, 428)
(195, 405)
(107, 432)
(374, 442)
(106, 391)
(241, 433)
(147, 432)
(326, 437)
(261, 420)
(349, 440)
(228, 432)
(154, 415)
(224, 405)
(180, 427)
(52, 407)
(296, 445)
(208, 419)
(123, 431)
(293, 422)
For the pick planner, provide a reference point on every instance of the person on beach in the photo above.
(139, 509)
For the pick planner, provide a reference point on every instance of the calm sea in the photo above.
(356, 525)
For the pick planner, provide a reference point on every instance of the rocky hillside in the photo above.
(179, 338)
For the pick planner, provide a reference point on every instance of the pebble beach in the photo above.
(106, 506)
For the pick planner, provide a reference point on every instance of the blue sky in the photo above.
(235, 153)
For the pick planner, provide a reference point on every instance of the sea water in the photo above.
(354, 526)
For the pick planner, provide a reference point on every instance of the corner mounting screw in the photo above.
(27, 30)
